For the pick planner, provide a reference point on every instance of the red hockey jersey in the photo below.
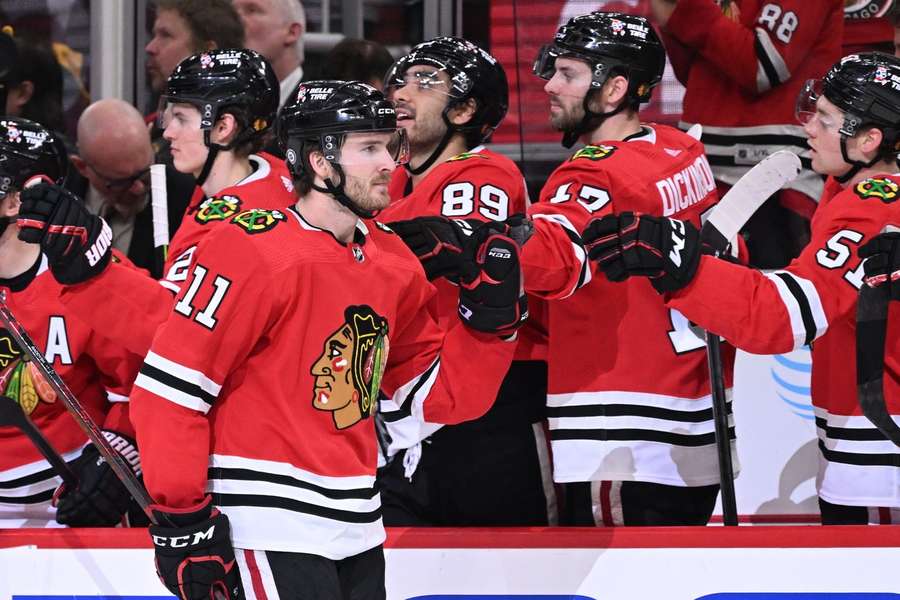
(628, 387)
(743, 71)
(267, 373)
(814, 298)
(96, 371)
(143, 303)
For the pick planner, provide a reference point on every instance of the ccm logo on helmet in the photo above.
(99, 247)
(183, 541)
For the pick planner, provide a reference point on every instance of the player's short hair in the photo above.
(292, 11)
(209, 21)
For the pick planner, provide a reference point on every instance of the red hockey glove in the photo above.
(628, 244)
(491, 295)
(76, 242)
(100, 500)
(194, 557)
(882, 266)
(437, 242)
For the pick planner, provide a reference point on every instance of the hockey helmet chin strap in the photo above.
(590, 121)
(855, 165)
(337, 190)
(450, 130)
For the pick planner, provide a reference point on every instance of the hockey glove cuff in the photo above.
(76, 242)
(491, 295)
(882, 266)
(667, 251)
(100, 500)
(437, 242)
(194, 554)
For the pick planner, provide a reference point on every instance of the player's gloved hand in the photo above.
(437, 242)
(665, 250)
(882, 266)
(100, 500)
(194, 554)
(76, 242)
(491, 295)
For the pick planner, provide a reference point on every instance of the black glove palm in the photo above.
(76, 242)
(627, 244)
(194, 556)
(882, 266)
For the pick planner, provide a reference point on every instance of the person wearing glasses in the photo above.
(116, 161)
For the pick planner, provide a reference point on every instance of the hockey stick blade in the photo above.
(695, 131)
(747, 195)
(871, 336)
(82, 418)
(12, 414)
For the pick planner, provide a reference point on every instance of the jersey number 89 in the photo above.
(459, 201)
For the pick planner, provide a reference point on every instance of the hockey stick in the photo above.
(84, 420)
(695, 131)
(159, 204)
(871, 335)
(720, 232)
(12, 414)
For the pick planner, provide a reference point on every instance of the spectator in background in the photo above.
(8, 59)
(358, 60)
(186, 27)
(743, 63)
(115, 161)
(275, 29)
(34, 84)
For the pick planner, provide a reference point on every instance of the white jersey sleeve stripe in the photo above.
(585, 276)
(771, 69)
(188, 375)
(803, 305)
(171, 394)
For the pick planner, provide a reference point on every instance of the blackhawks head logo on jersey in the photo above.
(20, 378)
(348, 372)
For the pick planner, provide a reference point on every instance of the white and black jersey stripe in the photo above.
(584, 276)
(771, 69)
(179, 384)
(401, 416)
(803, 305)
(631, 436)
(860, 466)
(26, 491)
(278, 506)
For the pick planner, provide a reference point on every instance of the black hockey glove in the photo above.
(491, 295)
(882, 266)
(100, 500)
(437, 242)
(76, 242)
(628, 244)
(194, 556)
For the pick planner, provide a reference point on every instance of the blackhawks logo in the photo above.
(20, 378)
(217, 208)
(598, 152)
(257, 220)
(881, 188)
(466, 156)
(347, 375)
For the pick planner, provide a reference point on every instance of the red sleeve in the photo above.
(782, 310)
(758, 52)
(553, 260)
(196, 352)
(681, 57)
(432, 373)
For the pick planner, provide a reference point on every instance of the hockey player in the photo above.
(743, 63)
(262, 382)
(450, 95)
(631, 420)
(850, 118)
(98, 374)
(217, 108)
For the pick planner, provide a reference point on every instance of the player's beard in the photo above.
(425, 135)
(567, 119)
(364, 195)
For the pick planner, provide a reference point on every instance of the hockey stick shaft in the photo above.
(723, 431)
(12, 414)
(159, 205)
(82, 418)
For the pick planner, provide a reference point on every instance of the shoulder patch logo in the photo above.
(882, 188)
(598, 152)
(347, 374)
(467, 156)
(217, 208)
(257, 220)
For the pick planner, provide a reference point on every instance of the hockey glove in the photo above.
(100, 500)
(628, 244)
(882, 266)
(194, 555)
(437, 242)
(491, 295)
(76, 242)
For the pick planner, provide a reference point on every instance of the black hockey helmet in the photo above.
(610, 43)
(28, 149)
(319, 114)
(866, 87)
(473, 73)
(240, 81)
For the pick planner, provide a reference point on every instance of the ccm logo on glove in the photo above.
(184, 541)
